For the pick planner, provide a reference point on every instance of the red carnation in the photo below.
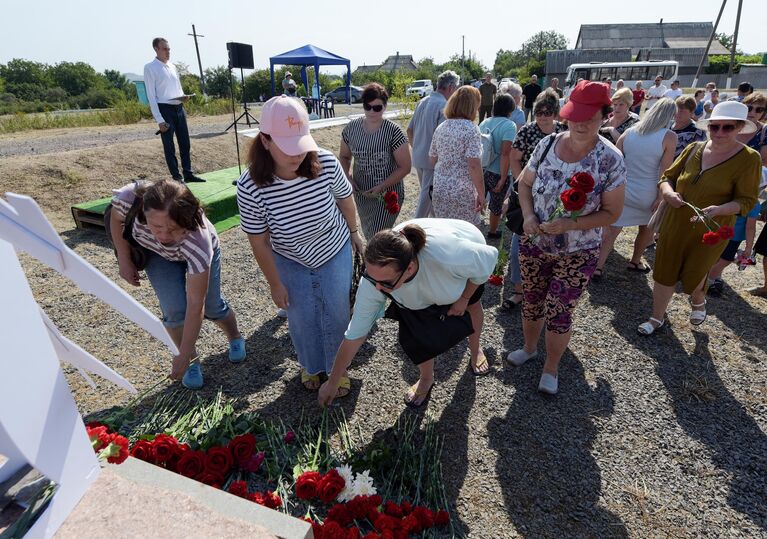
(218, 460)
(117, 450)
(726, 232)
(239, 488)
(191, 464)
(143, 450)
(406, 507)
(392, 509)
(289, 437)
(582, 181)
(391, 197)
(209, 478)
(375, 500)
(307, 485)
(341, 514)
(353, 533)
(495, 280)
(573, 199)
(393, 208)
(99, 437)
(425, 516)
(164, 447)
(711, 238)
(257, 497)
(333, 530)
(441, 519)
(372, 535)
(242, 448)
(330, 486)
(411, 524)
(272, 500)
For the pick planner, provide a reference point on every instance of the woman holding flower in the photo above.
(381, 161)
(571, 187)
(721, 177)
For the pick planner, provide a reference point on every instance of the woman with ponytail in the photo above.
(433, 271)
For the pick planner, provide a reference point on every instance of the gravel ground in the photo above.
(648, 437)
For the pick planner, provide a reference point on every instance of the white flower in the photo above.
(363, 485)
(345, 471)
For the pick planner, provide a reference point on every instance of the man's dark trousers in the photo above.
(175, 117)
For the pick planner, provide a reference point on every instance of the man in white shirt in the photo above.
(165, 95)
(655, 92)
(674, 92)
(710, 87)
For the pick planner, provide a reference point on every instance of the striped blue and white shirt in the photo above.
(301, 215)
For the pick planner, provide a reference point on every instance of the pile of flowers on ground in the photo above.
(344, 491)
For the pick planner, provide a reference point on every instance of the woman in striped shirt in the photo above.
(183, 265)
(296, 207)
(381, 161)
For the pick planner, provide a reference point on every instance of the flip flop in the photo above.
(508, 304)
(410, 401)
(633, 266)
(307, 378)
(474, 369)
(344, 387)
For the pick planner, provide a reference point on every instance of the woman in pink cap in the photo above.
(297, 208)
(558, 256)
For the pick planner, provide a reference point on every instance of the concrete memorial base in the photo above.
(137, 499)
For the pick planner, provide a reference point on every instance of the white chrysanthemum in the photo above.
(346, 494)
(363, 485)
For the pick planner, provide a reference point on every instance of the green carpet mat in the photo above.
(218, 196)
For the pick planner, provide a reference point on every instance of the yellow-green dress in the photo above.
(680, 254)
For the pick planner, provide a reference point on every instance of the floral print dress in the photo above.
(454, 195)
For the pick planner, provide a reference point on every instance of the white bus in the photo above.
(630, 72)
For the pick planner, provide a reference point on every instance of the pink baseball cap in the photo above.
(286, 121)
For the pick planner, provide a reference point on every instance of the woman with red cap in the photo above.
(558, 255)
(297, 208)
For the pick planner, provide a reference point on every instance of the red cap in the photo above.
(586, 99)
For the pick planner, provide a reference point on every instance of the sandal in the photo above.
(412, 396)
(310, 382)
(508, 304)
(597, 275)
(344, 387)
(482, 363)
(635, 266)
(697, 317)
(648, 328)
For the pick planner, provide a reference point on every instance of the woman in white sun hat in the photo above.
(721, 177)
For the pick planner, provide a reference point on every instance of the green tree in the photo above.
(217, 83)
(726, 40)
(537, 45)
(468, 69)
(2, 85)
(191, 84)
(76, 78)
(720, 63)
(19, 71)
(507, 63)
(257, 84)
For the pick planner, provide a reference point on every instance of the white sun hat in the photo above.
(730, 110)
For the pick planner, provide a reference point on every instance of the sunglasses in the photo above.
(757, 109)
(374, 108)
(726, 128)
(544, 113)
(384, 284)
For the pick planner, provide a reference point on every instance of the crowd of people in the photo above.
(669, 163)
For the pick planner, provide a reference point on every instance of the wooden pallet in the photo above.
(88, 219)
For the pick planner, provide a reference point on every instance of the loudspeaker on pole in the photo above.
(240, 55)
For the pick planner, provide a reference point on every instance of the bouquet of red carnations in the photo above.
(716, 232)
(391, 201)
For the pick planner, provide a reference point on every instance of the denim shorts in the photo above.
(168, 279)
(318, 307)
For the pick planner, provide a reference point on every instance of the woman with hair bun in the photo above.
(183, 264)
(424, 266)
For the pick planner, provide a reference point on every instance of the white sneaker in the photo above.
(548, 384)
(282, 313)
(520, 357)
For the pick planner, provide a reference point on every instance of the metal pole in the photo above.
(734, 44)
(199, 62)
(708, 45)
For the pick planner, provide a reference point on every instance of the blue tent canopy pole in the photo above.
(309, 55)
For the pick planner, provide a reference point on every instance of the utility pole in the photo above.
(199, 62)
(734, 44)
(463, 50)
(708, 45)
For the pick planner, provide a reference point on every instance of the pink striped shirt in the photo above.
(195, 248)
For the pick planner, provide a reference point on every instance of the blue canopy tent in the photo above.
(309, 55)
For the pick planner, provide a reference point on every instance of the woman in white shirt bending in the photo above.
(436, 266)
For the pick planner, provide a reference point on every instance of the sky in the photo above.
(112, 35)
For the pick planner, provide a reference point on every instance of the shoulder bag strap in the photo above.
(548, 147)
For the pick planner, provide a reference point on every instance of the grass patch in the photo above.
(698, 388)
(126, 112)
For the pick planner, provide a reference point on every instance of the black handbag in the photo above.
(514, 217)
(139, 255)
(426, 333)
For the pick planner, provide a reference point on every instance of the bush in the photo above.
(56, 95)
(27, 91)
(99, 98)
